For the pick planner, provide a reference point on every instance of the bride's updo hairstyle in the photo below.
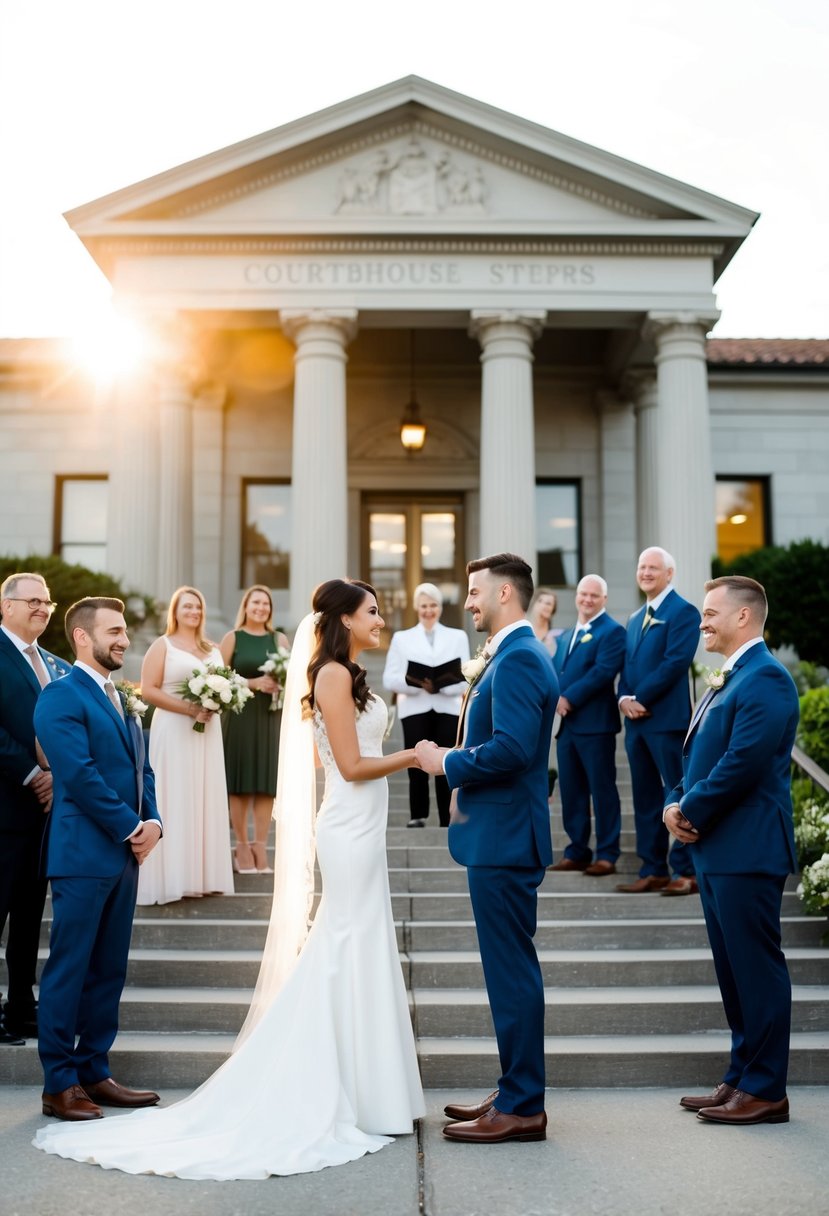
(332, 601)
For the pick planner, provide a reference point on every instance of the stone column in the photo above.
(680, 456)
(319, 465)
(133, 536)
(175, 501)
(507, 431)
(642, 390)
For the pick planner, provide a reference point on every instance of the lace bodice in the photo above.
(371, 727)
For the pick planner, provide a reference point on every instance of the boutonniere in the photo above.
(133, 705)
(60, 672)
(715, 678)
(473, 668)
(585, 637)
(655, 620)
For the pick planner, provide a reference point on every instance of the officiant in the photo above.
(424, 669)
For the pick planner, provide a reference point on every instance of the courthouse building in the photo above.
(537, 307)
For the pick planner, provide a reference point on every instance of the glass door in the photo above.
(407, 541)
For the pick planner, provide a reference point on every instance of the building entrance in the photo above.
(406, 541)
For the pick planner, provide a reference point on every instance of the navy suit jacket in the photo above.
(736, 786)
(586, 676)
(502, 816)
(657, 662)
(103, 783)
(20, 810)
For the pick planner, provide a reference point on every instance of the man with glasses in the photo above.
(25, 791)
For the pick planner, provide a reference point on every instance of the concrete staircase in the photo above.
(630, 988)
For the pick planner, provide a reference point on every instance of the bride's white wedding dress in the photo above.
(329, 1071)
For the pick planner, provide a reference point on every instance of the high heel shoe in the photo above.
(243, 859)
(260, 856)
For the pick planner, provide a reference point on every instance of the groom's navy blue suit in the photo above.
(500, 830)
(103, 787)
(736, 791)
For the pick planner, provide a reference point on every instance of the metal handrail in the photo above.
(812, 770)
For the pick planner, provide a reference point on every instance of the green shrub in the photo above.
(796, 579)
(813, 731)
(69, 583)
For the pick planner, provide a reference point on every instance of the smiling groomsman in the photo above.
(733, 810)
(25, 791)
(655, 699)
(588, 659)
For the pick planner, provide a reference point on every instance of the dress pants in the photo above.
(742, 915)
(655, 759)
(22, 896)
(505, 904)
(587, 767)
(82, 981)
(441, 729)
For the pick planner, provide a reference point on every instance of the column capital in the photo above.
(658, 325)
(302, 324)
(486, 323)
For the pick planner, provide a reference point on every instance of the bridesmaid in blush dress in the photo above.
(189, 766)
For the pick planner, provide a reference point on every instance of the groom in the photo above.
(500, 830)
(104, 823)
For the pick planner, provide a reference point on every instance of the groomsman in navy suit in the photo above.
(655, 699)
(500, 830)
(733, 809)
(25, 791)
(104, 822)
(588, 659)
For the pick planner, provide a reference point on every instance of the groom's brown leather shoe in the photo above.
(720, 1095)
(742, 1109)
(465, 1113)
(72, 1104)
(109, 1093)
(494, 1127)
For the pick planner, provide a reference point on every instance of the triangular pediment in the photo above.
(411, 158)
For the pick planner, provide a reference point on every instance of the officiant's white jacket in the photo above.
(413, 645)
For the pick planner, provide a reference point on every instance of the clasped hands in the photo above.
(144, 839)
(430, 757)
(678, 825)
(633, 709)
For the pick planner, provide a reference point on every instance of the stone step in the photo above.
(464, 1012)
(602, 1061)
(584, 900)
(602, 968)
(462, 968)
(232, 933)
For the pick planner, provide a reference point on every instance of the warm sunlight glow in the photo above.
(112, 346)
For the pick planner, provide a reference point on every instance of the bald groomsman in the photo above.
(655, 699)
(25, 791)
(588, 659)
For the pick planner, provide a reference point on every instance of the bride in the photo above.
(325, 1065)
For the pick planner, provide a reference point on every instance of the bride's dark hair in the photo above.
(331, 601)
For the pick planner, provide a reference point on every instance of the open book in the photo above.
(441, 676)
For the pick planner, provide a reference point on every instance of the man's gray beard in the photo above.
(105, 659)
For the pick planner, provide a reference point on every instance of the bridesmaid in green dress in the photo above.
(252, 737)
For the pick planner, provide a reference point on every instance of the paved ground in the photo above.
(609, 1152)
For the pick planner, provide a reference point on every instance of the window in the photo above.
(266, 534)
(742, 516)
(558, 533)
(80, 528)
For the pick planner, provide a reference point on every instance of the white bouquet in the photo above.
(219, 689)
(276, 666)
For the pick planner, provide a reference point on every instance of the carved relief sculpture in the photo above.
(412, 181)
